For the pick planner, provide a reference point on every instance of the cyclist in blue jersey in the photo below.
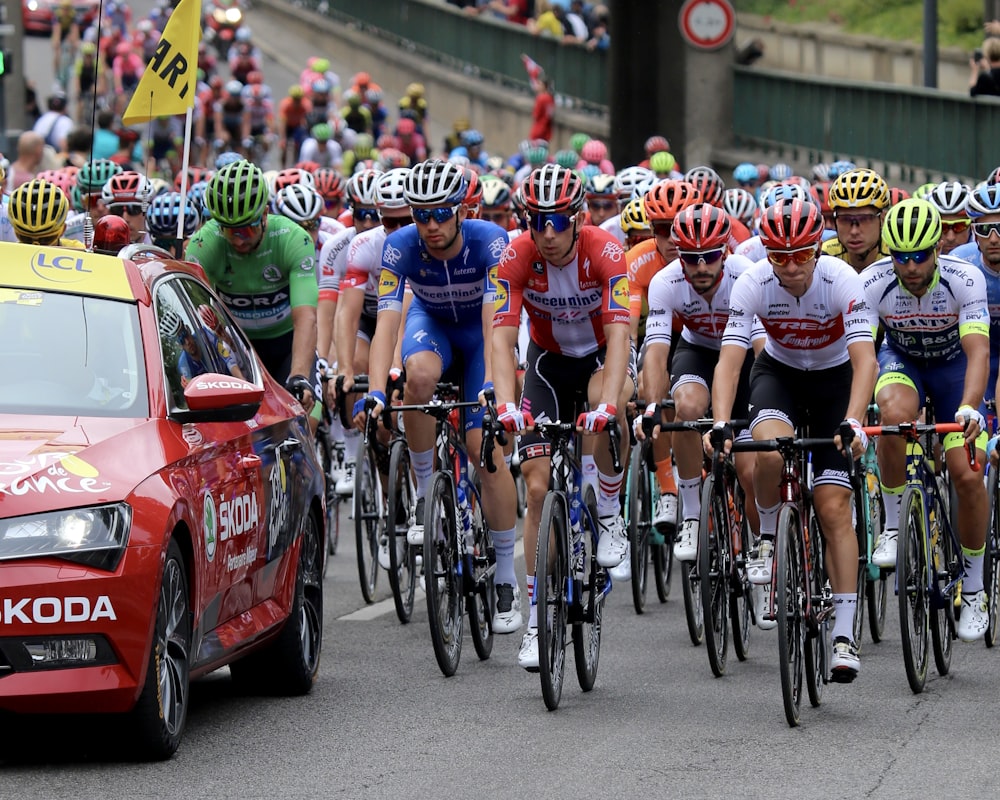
(448, 263)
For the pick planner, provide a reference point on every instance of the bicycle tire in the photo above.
(911, 579)
(323, 453)
(662, 556)
(713, 569)
(552, 564)
(943, 561)
(481, 599)
(991, 562)
(367, 522)
(788, 588)
(817, 629)
(587, 632)
(877, 591)
(442, 578)
(639, 522)
(861, 531)
(740, 591)
(402, 571)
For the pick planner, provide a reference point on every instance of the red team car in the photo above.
(161, 503)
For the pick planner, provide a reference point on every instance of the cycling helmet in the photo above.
(321, 132)
(496, 193)
(127, 188)
(38, 209)
(228, 157)
(364, 146)
(307, 166)
(237, 194)
(361, 186)
(194, 174)
(924, 189)
(668, 198)
(783, 191)
(391, 158)
(983, 200)
(600, 185)
(820, 193)
(641, 189)
(566, 158)
(588, 171)
(577, 141)
(328, 183)
(164, 211)
(912, 225)
(838, 168)
(256, 78)
(209, 318)
(553, 190)
(296, 92)
(949, 197)
(286, 177)
(745, 173)
(392, 191)
(111, 234)
(629, 178)
(594, 151)
(700, 226)
(59, 177)
(196, 194)
(780, 172)
(537, 154)
(791, 225)
(897, 195)
(474, 194)
(858, 188)
(471, 138)
(435, 182)
(321, 86)
(656, 144)
(739, 204)
(707, 181)
(299, 202)
(662, 163)
(160, 186)
(233, 88)
(373, 96)
(94, 174)
(170, 323)
(821, 172)
(994, 176)
(633, 217)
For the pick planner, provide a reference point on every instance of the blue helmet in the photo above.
(984, 199)
(838, 168)
(228, 157)
(163, 213)
(780, 172)
(471, 138)
(746, 173)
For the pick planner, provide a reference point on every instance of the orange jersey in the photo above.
(644, 261)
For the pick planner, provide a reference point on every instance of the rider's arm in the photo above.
(727, 373)
(616, 362)
(349, 306)
(865, 367)
(299, 254)
(659, 331)
(977, 368)
(504, 367)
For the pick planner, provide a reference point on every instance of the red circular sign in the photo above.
(707, 24)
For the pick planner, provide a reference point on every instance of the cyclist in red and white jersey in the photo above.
(818, 366)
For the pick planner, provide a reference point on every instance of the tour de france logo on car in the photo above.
(619, 300)
(53, 473)
(211, 527)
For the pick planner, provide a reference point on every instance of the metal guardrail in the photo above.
(478, 46)
(942, 133)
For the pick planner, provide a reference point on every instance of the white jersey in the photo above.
(331, 226)
(362, 267)
(326, 155)
(6, 229)
(614, 227)
(811, 332)
(332, 262)
(671, 294)
(753, 249)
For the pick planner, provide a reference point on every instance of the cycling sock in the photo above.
(609, 497)
(690, 499)
(352, 444)
(973, 563)
(532, 608)
(503, 543)
(892, 499)
(423, 468)
(589, 468)
(768, 519)
(844, 606)
(665, 476)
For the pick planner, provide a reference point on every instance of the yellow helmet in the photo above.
(858, 188)
(38, 209)
(415, 89)
(633, 217)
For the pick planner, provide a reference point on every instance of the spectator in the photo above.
(128, 140)
(543, 110)
(78, 146)
(30, 151)
(105, 139)
(984, 75)
(55, 124)
(600, 38)
(516, 11)
(578, 30)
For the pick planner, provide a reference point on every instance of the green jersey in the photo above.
(262, 287)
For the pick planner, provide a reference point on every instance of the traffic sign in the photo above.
(707, 24)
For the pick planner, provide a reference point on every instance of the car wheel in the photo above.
(159, 717)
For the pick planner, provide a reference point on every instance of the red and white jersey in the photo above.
(567, 306)
(363, 266)
(810, 332)
(670, 295)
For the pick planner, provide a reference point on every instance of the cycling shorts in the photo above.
(693, 363)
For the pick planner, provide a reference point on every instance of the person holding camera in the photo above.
(984, 66)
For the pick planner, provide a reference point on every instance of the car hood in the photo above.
(63, 462)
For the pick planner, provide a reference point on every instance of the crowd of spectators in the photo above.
(570, 21)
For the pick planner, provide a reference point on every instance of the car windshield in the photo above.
(67, 354)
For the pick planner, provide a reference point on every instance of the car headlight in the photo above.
(93, 536)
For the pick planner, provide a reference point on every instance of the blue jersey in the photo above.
(970, 252)
(452, 291)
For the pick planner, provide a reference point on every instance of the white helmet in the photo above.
(362, 187)
(435, 182)
(739, 204)
(393, 188)
(299, 202)
(949, 197)
(629, 178)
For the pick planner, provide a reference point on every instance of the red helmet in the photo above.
(405, 126)
(594, 151)
(820, 193)
(195, 175)
(708, 182)
(552, 189)
(700, 227)
(111, 234)
(255, 77)
(656, 144)
(896, 195)
(209, 318)
(287, 177)
(791, 225)
(329, 183)
(307, 166)
(668, 198)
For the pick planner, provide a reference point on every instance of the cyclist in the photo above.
(128, 195)
(934, 311)
(264, 269)
(571, 280)
(634, 224)
(818, 335)
(321, 147)
(602, 198)
(497, 204)
(293, 110)
(445, 260)
(950, 199)
(858, 199)
(37, 212)
(161, 221)
(232, 120)
(740, 204)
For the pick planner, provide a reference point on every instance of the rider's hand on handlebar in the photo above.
(858, 442)
(647, 423)
(719, 440)
(598, 419)
(973, 421)
(486, 395)
(513, 419)
(373, 402)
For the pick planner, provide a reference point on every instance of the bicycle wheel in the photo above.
(640, 513)
(861, 531)
(911, 579)
(481, 601)
(740, 592)
(552, 563)
(367, 521)
(661, 554)
(788, 591)
(402, 561)
(591, 593)
(944, 564)
(442, 578)
(713, 569)
(877, 590)
(991, 562)
(817, 626)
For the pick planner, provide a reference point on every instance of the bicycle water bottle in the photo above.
(575, 510)
(464, 514)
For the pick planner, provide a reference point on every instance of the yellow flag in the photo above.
(167, 86)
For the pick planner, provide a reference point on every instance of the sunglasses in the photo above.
(365, 215)
(780, 258)
(661, 228)
(499, 217)
(391, 223)
(601, 205)
(850, 220)
(38, 240)
(331, 203)
(242, 231)
(439, 215)
(956, 225)
(917, 256)
(310, 225)
(984, 229)
(558, 222)
(132, 209)
(704, 257)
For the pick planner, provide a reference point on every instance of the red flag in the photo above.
(534, 69)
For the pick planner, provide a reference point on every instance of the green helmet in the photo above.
(364, 144)
(94, 174)
(662, 162)
(537, 155)
(577, 141)
(237, 194)
(566, 158)
(924, 189)
(912, 225)
(322, 131)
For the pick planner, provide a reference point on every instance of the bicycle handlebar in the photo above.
(913, 430)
